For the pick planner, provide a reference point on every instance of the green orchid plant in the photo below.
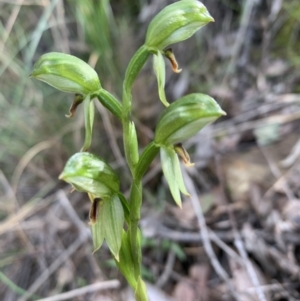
(114, 218)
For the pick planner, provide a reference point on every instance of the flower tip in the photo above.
(223, 113)
(61, 176)
(189, 164)
(187, 194)
(91, 223)
(177, 70)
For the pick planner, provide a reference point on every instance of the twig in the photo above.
(259, 248)
(238, 239)
(24, 212)
(277, 174)
(185, 236)
(245, 19)
(37, 33)
(106, 121)
(64, 201)
(217, 238)
(60, 9)
(32, 152)
(162, 280)
(205, 236)
(9, 192)
(111, 284)
(10, 23)
(250, 125)
(111, 135)
(83, 237)
(292, 156)
(54, 266)
(225, 247)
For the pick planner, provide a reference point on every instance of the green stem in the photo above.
(130, 140)
(135, 65)
(131, 153)
(135, 214)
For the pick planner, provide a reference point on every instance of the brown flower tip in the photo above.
(183, 154)
(94, 211)
(78, 99)
(171, 57)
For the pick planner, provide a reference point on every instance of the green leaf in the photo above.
(66, 73)
(125, 205)
(160, 72)
(89, 113)
(131, 148)
(88, 173)
(176, 22)
(146, 158)
(113, 215)
(141, 291)
(98, 230)
(185, 117)
(177, 170)
(171, 169)
(126, 261)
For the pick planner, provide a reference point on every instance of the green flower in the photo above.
(176, 22)
(88, 173)
(186, 117)
(66, 73)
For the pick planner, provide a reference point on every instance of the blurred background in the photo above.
(237, 237)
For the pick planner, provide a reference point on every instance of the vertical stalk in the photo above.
(131, 153)
(135, 214)
(129, 135)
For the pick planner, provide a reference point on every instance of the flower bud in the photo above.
(185, 117)
(88, 173)
(66, 73)
(176, 22)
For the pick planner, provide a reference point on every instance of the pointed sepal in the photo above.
(113, 221)
(160, 72)
(172, 172)
(97, 224)
(89, 113)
